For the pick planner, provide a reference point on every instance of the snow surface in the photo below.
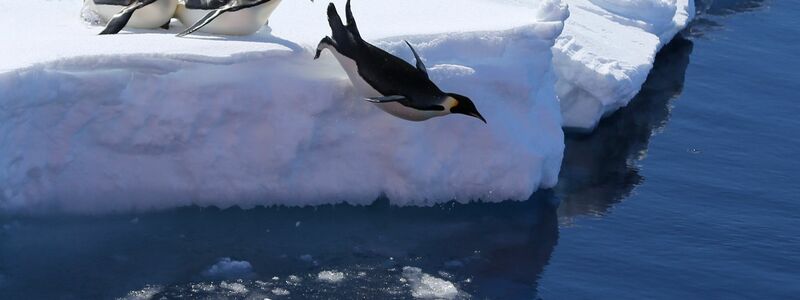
(606, 51)
(146, 120)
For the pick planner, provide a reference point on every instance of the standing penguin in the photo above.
(232, 17)
(148, 14)
(394, 85)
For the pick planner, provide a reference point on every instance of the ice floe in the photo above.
(144, 120)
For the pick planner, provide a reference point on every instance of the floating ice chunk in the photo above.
(425, 286)
(145, 293)
(205, 287)
(294, 279)
(228, 268)
(234, 287)
(280, 291)
(330, 276)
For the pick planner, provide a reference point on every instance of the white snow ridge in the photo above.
(144, 120)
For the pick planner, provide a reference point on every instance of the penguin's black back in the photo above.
(385, 72)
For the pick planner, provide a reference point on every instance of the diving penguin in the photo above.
(394, 85)
(148, 14)
(230, 17)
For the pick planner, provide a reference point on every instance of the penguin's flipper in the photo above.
(119, 20)
(202, 22)
(386, 99)
(420, 65)
(166, 25)
(427, 107)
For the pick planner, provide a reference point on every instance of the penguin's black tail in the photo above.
(338, 29)
(343, 34)
(351, 22)
(344, 38)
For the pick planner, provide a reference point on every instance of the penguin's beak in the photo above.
(478, 115)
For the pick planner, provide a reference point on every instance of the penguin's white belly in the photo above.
(151, 16)
(242, 22)
(363, 88)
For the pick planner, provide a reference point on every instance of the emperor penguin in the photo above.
(147, 14)
(229, 17)
(394, 85)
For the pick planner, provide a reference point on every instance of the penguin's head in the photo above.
(463, 105)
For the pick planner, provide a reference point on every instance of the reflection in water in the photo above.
(601, 169)
(482, 249)
(727, 7)
(710, 11)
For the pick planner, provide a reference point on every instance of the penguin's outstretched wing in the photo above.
(119, 20)
(230, 7)
(404, 101)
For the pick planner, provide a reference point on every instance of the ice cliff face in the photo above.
(146, 120)
(606, 51)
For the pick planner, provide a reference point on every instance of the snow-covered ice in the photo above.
(607, 49)
(146, 120)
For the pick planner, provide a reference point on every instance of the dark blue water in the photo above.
(690, 192)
